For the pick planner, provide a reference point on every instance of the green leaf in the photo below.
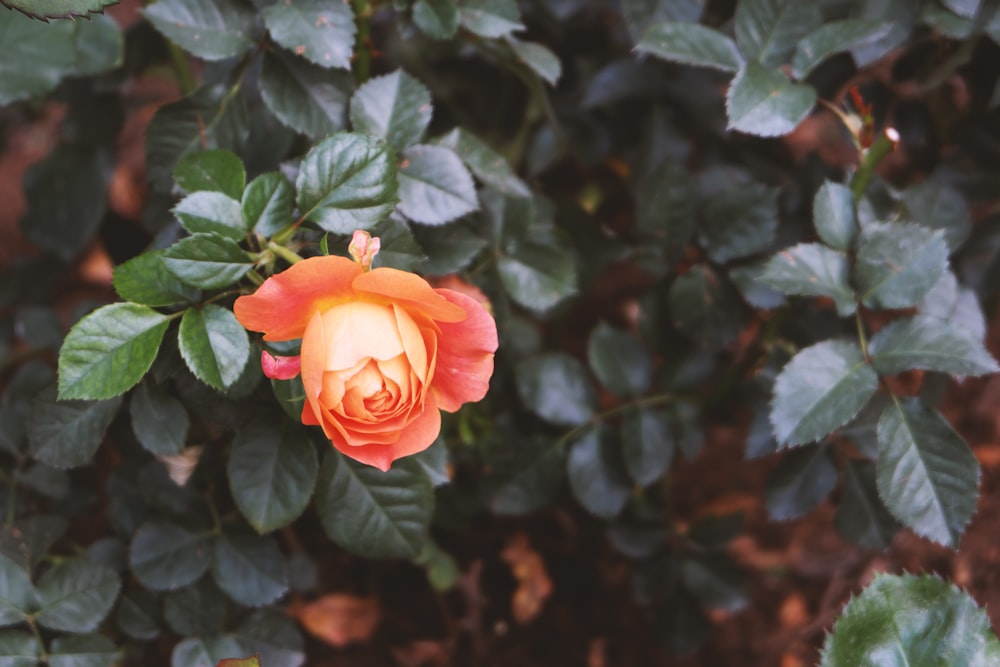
(207, 261)
(48, 49)
(449, 249)
(556, 387)
(274, 636)
(715, 580)
(249, 568)
(764, 102)
(800, 481)
(740, 221)
(914, 621)
(620, 361)
(964, 8)
(930, 344)
(267, 203)
(205, 119)
(307, 98)
(137, 615)
(145, 280)
(17, 595)
(490, 18)
(215, 171)
(959, 306)
(648, 443)
(640, 14)
(487, 165)
(769, 30)
(399, 249)
(596, 476)
(834, 216)
(319, 31)
(99, 44)
(434, 185)
(705, 307)
(19, 649)
(748, 279)
(538, 58)
(206, 212)
(165, 556)
(534, 485)
(159, 420)
(372, 513)
(347, 182)
(207, 652)
(214, 345)
(76, 595)
(394, 106)
(927, 475)
(947, 23)
(897, 264)
(198, 609)
(938, 205)
(272, 471)
(691, 44)
(438, 19)
(666, 208)
(538, 276)
(861, 516)
(836, 37)
(213, 31)
(58, 9)
(822, 388)
(65, 434)
(66, 195)
(812, 269)
(83, 651)
(29, 539)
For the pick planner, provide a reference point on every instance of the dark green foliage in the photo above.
(923, 620)
(683, 228)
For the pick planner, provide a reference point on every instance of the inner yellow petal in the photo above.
(357, 330)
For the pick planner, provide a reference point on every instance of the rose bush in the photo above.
(382, 352)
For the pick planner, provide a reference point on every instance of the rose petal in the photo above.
(409, 290)
(284, 304)
(465, 354)
(415, 437)
(279, 368)
(359, 330)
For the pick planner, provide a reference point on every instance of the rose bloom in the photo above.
(382, 352)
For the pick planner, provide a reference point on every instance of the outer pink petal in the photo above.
(313, 360)
(279, 368)
(410, 291)
(283, 305)
(465, 354)
(414, 437)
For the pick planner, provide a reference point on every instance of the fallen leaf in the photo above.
(339, 619)
(534, 585)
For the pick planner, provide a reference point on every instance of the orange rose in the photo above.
(382, 351)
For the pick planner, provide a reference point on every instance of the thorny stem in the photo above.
(882, 146)
(182, 69)
(862, 338)
(363, 55)
(284, 253)
(656, 399)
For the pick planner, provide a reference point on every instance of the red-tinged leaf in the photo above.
(240, 662)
